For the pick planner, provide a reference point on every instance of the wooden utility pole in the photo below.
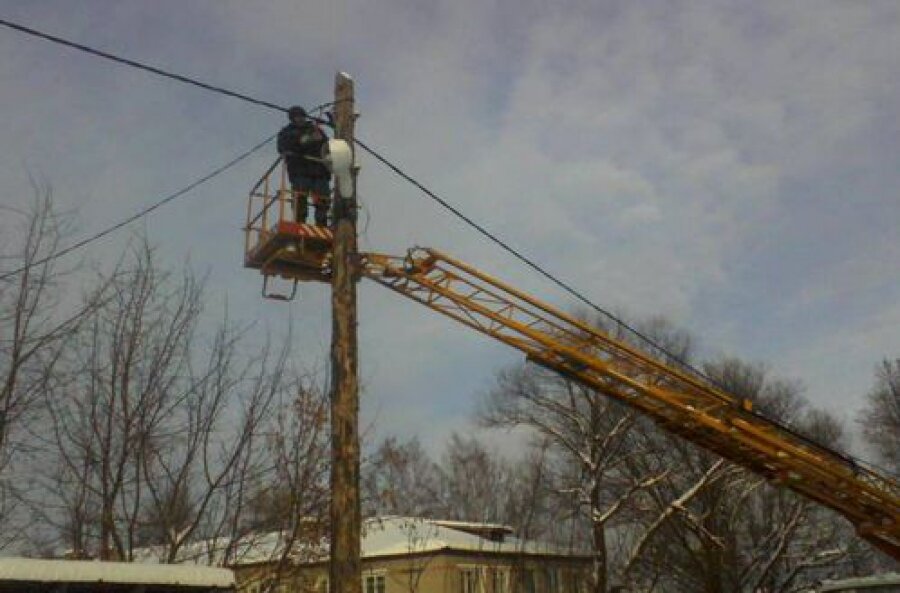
(345, 573)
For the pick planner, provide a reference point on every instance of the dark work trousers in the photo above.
(316, 189)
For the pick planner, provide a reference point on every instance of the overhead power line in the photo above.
(520, 256)
(142, 213)
(444, 203)
(140, 65)
(397, 170)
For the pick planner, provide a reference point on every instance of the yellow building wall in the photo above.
(432, 573)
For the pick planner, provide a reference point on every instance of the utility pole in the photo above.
(344, 570)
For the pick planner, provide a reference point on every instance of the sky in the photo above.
(730, 166)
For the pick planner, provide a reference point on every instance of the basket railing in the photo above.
(269, 203)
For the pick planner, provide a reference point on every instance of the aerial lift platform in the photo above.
(278, 244)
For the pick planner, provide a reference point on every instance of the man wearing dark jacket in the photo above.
(300, 144)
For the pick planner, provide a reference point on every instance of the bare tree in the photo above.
(125, 377)
(293, 499)
(288, 510)
(593, 437)
(475, 484)
(535, 506)
(196, 477)
(663, 513)
(880, 417)
(152, 435)
(739, 533)
(35, 325)
(399, 478)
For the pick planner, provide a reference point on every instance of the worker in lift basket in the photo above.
(300, 144)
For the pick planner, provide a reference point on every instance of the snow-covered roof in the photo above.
(389, 536)
(253, 548)
(474, 527)
(381, 537)
(82, 571)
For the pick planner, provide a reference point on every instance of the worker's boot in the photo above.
(322, 205)
(301, 206)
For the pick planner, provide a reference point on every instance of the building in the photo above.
(415, 555)
(29, 575)
(410, 555)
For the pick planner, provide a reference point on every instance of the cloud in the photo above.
(730, 166)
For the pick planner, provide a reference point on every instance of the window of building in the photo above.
(571, 582)
(373, 583)
(500, 580)
(553, 580)
(529, 580)
(470, 579)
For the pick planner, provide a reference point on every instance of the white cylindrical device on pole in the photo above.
(339, 158)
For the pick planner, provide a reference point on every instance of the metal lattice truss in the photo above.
(680, 401)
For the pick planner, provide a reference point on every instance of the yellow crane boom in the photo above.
(679, 401)
(278, 245)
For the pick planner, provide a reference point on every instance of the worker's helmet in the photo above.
(296, 112)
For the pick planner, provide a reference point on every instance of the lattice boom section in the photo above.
(680, 402)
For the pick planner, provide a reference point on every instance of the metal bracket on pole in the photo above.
(278, 296)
